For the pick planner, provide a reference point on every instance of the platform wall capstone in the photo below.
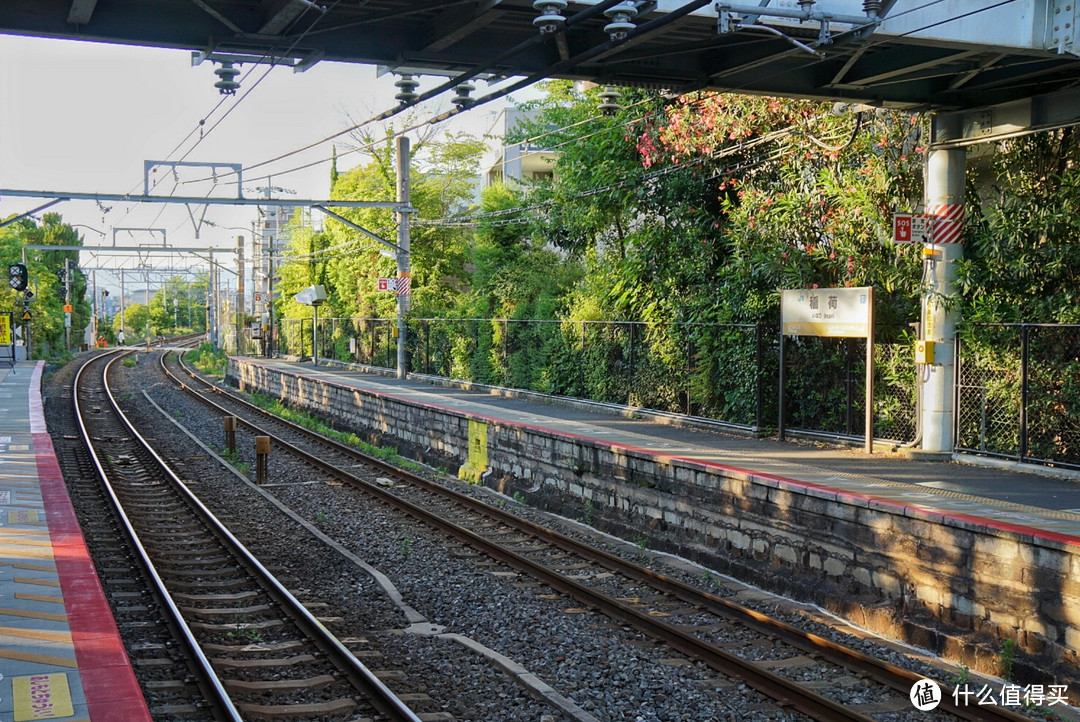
(956, 587)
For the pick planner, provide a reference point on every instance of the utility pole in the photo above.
(404, 282)
(211, 302)
(121, 299)
(239, 292)
(67, 304)
(94, 323)
(270, 296)
(147, 272)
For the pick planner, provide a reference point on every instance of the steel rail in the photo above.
(362, 678)
(212, 685)
(780, 689)
(897, 678)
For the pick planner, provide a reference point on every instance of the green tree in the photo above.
(46, 270)
(1022, 239)
(348, 262)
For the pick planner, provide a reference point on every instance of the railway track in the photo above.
(254, 649)
(698, 624)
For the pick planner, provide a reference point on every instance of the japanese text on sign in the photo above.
(833, 312)
(909, 227)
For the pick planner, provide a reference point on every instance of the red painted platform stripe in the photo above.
(109, 685)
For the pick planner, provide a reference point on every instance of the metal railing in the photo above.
(707, 370)
(721, 372)
(1018, 392)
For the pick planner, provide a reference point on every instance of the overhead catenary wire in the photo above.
(202, 122)
(602, 48)
(445, 116)
(554, 69)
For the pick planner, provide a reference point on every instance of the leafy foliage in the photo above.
(45, 269)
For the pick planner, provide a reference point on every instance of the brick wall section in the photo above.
(951, 585)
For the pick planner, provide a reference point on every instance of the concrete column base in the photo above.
(924, 455)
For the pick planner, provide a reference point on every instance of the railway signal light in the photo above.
(17, 276)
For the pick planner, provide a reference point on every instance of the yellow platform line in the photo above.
(29, 567)
(8, 530)
(25, 542)
(39, 658)
(42, 635)
(25, 553)
(39, 598)
(39, 582)
(33, 615)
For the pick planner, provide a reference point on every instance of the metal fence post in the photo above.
(1025, 369)
(689, 370)
(759, 380)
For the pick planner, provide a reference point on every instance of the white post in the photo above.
(945, 202)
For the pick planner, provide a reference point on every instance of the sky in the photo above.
(82, 117)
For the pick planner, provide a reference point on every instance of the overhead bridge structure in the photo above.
(916, 54)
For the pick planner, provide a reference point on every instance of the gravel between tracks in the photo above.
(609, 672)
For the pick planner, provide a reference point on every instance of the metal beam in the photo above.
(363, 230)
(219, 17)
(126, 249)
(193, 200)
(454, 25)
(281, 16)
(888, 68)
(31, 212)
(81, 11)
(1020, 117)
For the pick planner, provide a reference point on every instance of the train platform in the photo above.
(61, 657)
(1036, 502)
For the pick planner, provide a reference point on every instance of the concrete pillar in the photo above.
(944, 195)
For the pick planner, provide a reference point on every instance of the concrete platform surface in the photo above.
(1024, 500)
(61, 657)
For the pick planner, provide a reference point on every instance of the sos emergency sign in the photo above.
(912, 227)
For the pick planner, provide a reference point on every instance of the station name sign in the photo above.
(831, 312)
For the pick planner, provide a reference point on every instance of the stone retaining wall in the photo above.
(954, 586)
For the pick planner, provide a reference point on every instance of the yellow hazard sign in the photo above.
(41, 696)
(26, 316)
(5, 329)
(477, 463)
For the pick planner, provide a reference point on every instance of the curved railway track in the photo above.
(687, 619)
(257, 651)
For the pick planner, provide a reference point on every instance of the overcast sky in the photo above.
(82, 117)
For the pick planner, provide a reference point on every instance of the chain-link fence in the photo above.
(709, 370)
(1018, 392)
(825, 389)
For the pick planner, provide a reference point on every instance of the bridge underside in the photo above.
(898, 63)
